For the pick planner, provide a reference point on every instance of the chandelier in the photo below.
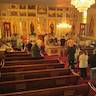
(82, 5)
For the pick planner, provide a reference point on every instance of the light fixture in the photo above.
(82, 5)
(62, 29)
(64, 26)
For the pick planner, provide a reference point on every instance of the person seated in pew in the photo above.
(35, 50)
(6, 46)
(29, 46)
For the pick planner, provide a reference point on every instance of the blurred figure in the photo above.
(77, 52)
(62, 44)
(6, 46)
(83, 63)
(71, 56)
(19, 44)
(41, 45)
(35, 50)
(62, 41)
(14, 41)
(29, 46)
(92, 64)
(92, 59)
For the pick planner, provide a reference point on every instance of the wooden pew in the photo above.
(40, 61)
(38, 83)
(25, 57)
(15, 53)
(74, 90)
(19, 56)
(30, 67)
(34, 74)
(92, 89)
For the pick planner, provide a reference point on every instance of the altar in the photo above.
(53, 50)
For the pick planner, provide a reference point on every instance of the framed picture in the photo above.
(33, 14)
(22, 13)
(91, 26)
(52, 14)
(82, 29)
(52, 8)
(41, 10)
(7, 29)
(22, 6)
(13, 6)
(51, 26)
(13, 13)
(32, 26)
(32, 7)
(59, 15)
(3, 13)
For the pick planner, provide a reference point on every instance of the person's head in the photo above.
(84, 52)
(33, 42)
(94, 51)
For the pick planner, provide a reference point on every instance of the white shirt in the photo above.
(83, 61)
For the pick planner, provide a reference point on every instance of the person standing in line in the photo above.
(62, 41)
(83, 63)
(92, 59)
(71, 55)
(62, 44)
(77, 52)
(92, 63)
(29, 46)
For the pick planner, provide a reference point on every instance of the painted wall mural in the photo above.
(51, 27)
(91, 27)
(26, 16)
(7, 29)
(32, 29)
(82, 29)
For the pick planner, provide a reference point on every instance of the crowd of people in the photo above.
(34, 47)
(76, 54)
(79, 57)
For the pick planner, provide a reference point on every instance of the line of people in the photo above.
(80, 58)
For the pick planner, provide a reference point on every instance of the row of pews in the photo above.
(41, 77)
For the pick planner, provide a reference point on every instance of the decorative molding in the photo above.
(41, 9)
(32, 14)
(13, 13)
(32, 7)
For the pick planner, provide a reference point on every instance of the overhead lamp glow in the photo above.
(82, 5)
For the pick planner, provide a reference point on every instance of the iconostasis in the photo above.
(27, 19)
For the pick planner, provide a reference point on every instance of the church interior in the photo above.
(47, 48)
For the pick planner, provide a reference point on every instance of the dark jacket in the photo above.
(92, 61)
(35, 51)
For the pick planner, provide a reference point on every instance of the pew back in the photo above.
(34, 74)
(74, 90)
(38, 83)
